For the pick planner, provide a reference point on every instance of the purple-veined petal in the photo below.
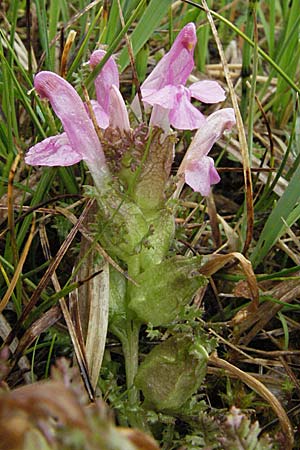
(118, 115)
(215, 125)
(175, 67)
(53, 151)
(207, 91)
(183, 115)
(108, 76)
(79, 128)
(201, 174)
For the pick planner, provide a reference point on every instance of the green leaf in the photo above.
(285, 212)
(163, 289)
(122, 225)
(157, 244)
(171, 373)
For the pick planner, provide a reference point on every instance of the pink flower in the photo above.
(110, 108)
(79, 141)
(198, 168)
(176, 66)
(164, 88)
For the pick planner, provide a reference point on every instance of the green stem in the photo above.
(130, 345)
(129, 338)
(131, 354)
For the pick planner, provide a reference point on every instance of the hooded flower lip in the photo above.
(107, 77)
(118, 116)
(198, 168)
(175, 67)
(110, 108)
(164, 88)
(80, 140)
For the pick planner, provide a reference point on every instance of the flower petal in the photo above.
(184, 115)
(165, 97)
(197, 167)
(160, 118)
(162, 101)
(79, 128)
(207, 135)
(201, 174)
(175, 67)
(102, 117)
(108, 76)
(207, 91)
(53, 151)
(118, 115)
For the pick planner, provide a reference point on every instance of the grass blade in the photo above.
(149, 21)
(274, 226)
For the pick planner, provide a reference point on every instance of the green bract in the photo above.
(122, 225)
(157, 244)
(164, 288)
(171, 373)
(149, 192)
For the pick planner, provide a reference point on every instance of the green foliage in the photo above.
(287, 57)
(163, 289)
(172, 372)
(123, 226)
(285, 213)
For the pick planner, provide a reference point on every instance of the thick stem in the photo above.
(129, 338)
